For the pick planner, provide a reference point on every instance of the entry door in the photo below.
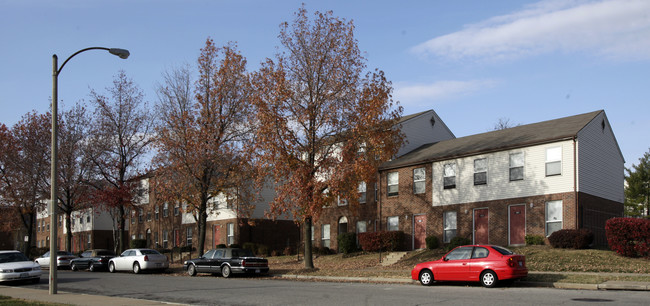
(517, 225)
(216, 235)
(420, 232)
(481, 226)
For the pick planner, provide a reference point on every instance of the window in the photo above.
(48, 227)
(88, 219)
(460, 253)
(516, 166)
(312, 233)
(155, 239)
(81, 220)
(177, 209)
(325, 235)
(60, 220)
(165, 239)
(133, 217)
(393, 223)
(362, 227)
(230, 232)
(148, 216)
(166, 210)
(450, 226)
(362, 192)
(419, 178)
(480, 252)
(156, 212)
(480, 171)
(553, 217)
(189, 236)
(449, 176)
(554, 161)
(393, 183)
(141, 215)
(342, 202)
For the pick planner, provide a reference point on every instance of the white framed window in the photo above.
(156, 212)
(516, 166)
(325, 235)
(480, 171)
(230, 233)
(362, 192)
(419, 180)
(189, 236)
(141, 215)
(88, 219)
(553, 217)
(553, 161)
(342, 202)
(312, 233)
(177, 209)
(449, 176)
(166, 210)
(450, 224)
(393, 183)
(362, 227)
(392, 223)
(133, 216)
(165, 239)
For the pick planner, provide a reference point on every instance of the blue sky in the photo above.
(473, 62)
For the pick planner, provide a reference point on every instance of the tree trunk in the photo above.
(120, 230)
(203, 217)
(309, 260)
(68, 234)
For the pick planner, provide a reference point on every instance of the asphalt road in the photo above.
(214, 290)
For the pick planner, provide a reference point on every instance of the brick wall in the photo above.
(595, 212)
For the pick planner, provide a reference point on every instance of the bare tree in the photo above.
(504, 123)
(121, 137)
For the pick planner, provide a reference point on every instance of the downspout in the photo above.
(379, 203)
(575, 182)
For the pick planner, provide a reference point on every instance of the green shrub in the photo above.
(432, 242)
(347, 242)
(138, 243)
(457, 241)
(571, 238)
(221, 246)
(534, 239)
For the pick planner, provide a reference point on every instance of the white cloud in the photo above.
(416, 93)
(618, 29)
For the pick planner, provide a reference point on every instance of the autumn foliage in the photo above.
(629, 237)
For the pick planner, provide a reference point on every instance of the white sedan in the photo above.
(14, 265)
(62, 259)
(137, 260)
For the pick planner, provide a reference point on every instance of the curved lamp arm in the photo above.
(122, 53)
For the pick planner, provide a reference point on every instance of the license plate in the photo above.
(159, 264)
(521, 264)
(257, 271)
(24, 275)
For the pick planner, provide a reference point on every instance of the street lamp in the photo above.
(56, 70)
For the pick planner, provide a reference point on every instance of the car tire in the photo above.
(191, 270)
(225, 271)
(73, 267)
(111, 267)
(426, 278)
(489, 279)
(136, 268)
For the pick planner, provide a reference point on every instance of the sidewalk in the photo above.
(91, 300)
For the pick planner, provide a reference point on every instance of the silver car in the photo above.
(14, 266)
(62, 259)
(137, 260)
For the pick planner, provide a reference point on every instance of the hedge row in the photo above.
(571, 238)
(629, 237)
(381, 241)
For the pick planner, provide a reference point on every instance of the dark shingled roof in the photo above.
(516, 137)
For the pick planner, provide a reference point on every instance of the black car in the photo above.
(227, 261)
(93, 260)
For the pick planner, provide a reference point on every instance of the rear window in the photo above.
(503, 250)
(149, 252)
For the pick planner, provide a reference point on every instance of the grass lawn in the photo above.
(5, 300)
(539, 259)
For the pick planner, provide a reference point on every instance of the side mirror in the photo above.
(444, 258)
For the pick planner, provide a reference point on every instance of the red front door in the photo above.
(420, 232)
(481, 226)
(517, 224)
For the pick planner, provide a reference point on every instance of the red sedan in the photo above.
(487, 264)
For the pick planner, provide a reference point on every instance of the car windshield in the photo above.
(13, 257)
(149, 252)
(502, 250)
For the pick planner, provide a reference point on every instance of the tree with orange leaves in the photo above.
(324, 122)
(201, 141)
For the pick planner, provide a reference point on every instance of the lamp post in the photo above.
(56, 70)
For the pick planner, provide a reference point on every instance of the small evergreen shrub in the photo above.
(138, 243)
(629, 237)
(457, 241)
(432, 242)
(534, 239)
(571, 238)
(347, 242)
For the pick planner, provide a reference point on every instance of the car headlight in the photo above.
(36, 268)
(185, 263)
(6, 270)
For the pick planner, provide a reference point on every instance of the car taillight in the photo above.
(511, 262)
(146, 258)
(243, 262)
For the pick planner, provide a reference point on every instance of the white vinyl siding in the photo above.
(500, 186)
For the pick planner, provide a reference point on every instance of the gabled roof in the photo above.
(516, 137)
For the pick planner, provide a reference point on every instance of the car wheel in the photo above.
(489, 279)
(136, 268)
(111, 267)
(73, 267)
(91, 267)
(191, 270)
(36, 280)
(225, 271)
(426, 278)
